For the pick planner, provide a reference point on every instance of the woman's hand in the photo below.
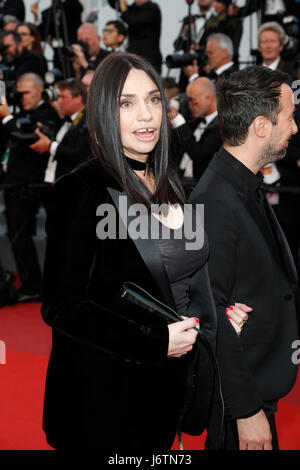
(182, 337)
(237, 314)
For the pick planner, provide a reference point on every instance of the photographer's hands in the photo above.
(79, 60)
(43, 144)
(4, 108)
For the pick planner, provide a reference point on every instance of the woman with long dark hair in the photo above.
(31, 37)
(117, 378)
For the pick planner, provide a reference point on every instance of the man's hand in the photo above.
(123, 5)
(79, 58)
(35, 11)
(43, 144)
(254, 432)
(4, 109)
(172, 113)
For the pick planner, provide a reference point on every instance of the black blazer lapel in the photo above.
(147, 248)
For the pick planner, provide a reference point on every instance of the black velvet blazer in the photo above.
(109, 384)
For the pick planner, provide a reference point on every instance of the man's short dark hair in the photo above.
(75, 86)
(244, 95)
(13, 33)
(119, 25)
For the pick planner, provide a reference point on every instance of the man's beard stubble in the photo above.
(270, 154)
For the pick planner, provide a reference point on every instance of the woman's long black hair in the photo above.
(103, 118)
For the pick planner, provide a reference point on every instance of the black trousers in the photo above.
(21, 207)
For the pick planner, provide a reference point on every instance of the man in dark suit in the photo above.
(13, 7)
(20, 59)
(143, 18)
(219, 50)
(199, 143)
(88, 34)
(71, 144)
(249, 256)
(271, 38)
(59, 23)
(25, 175)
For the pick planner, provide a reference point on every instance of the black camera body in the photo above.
(174, 61)
(26, 132)
(69, 53)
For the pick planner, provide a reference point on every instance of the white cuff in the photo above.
(193, 77)
(7, 119)
(178, 121)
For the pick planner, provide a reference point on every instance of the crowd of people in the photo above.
(195, 148)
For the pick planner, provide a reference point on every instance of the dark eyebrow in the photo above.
(132, 95)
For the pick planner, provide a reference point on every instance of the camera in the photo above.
(182, 60)
(50, 94)
(26, 131)
(69, 53)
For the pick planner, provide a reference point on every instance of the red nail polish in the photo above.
(231, 307)
(229, 318)
(196, 320)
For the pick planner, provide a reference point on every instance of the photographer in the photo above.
(192, 30)
(88, 56)
(71, 144)
(19, 59)
(219, 50)
(143, 18)
(25, 172)
(59, 24)
(192, 37)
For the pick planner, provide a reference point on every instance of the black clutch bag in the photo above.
(203, 379)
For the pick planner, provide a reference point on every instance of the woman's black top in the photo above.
(181, 261)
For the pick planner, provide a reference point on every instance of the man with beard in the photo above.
(20, 59)
(249, 256)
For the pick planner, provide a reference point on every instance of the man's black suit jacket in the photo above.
(73, 148)
(72, 10)
(24, 164)
(200, 152)
(144, 27)
(256, 367)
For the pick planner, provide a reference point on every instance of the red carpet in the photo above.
(27, 343)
